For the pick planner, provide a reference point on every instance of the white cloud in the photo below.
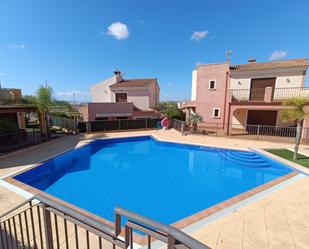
(118, 30)
(199, 35)
(170, 84)
(141, 21)
(20, 46)
(3, 74)
(279, 54)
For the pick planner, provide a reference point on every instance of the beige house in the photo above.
(119, 98)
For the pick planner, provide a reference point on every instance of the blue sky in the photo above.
(72, 43)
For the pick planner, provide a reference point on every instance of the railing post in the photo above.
(146, 121)
(258, 132)
(117, 225)
(170, 242)
(268, 94)
(182, 128)
(119, 124)
(48, 228)
(88, 128)
(128, 237)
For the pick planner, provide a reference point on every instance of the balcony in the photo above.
(268, 94)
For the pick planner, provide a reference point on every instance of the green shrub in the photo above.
(174, 113)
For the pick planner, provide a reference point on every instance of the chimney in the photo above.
(118, 75)
(251, 60)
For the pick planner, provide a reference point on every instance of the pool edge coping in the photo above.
(182, 224)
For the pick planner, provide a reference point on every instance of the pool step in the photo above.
(246, 159)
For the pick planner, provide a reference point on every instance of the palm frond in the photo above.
(297, 111)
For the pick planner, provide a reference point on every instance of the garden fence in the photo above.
(14, 140)
(120, 124)
(256, 132)
(68, 124)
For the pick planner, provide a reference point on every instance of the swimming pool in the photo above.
(161, 180)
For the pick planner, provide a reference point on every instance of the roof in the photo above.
(17, 108)
(270, 65)
(135, 83)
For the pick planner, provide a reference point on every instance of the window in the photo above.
(121, 97)
(212, 85)
(216, 113)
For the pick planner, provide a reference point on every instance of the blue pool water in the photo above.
(161, 180)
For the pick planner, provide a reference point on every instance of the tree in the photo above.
(194, 119)
(29, 99)
(296, 113)
(174, 113)
(44, 101)
(171, 110)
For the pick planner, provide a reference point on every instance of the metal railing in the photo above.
(69, 124)
(277, 94)
(173, 237)
(13, 140)
(178, 125)
(41, 222)
(256, 132)
(267, 132)
(286, 93)
(248, 94)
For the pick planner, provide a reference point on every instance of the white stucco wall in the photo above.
(291, 77)
(141, 102)
(101, 92)
(138, 96)
(240, 83)
(289, 81)
(239, 119)
(193, 85)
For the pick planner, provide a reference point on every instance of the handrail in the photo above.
(17, 207)
(77, 215)
(168, 230)
(167, 234)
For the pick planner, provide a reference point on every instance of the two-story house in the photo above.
(235, 96)
(119, 98)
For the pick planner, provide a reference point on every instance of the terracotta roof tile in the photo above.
(270, 65)
(134, 83)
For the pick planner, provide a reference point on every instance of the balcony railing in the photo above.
(269, 94)
(286, 93)
(248, 94)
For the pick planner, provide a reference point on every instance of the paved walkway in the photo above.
(278, 220)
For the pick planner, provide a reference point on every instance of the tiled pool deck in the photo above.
(278, 220)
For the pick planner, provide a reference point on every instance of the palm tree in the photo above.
(194, 119)
(43, 102)
(296, 113)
